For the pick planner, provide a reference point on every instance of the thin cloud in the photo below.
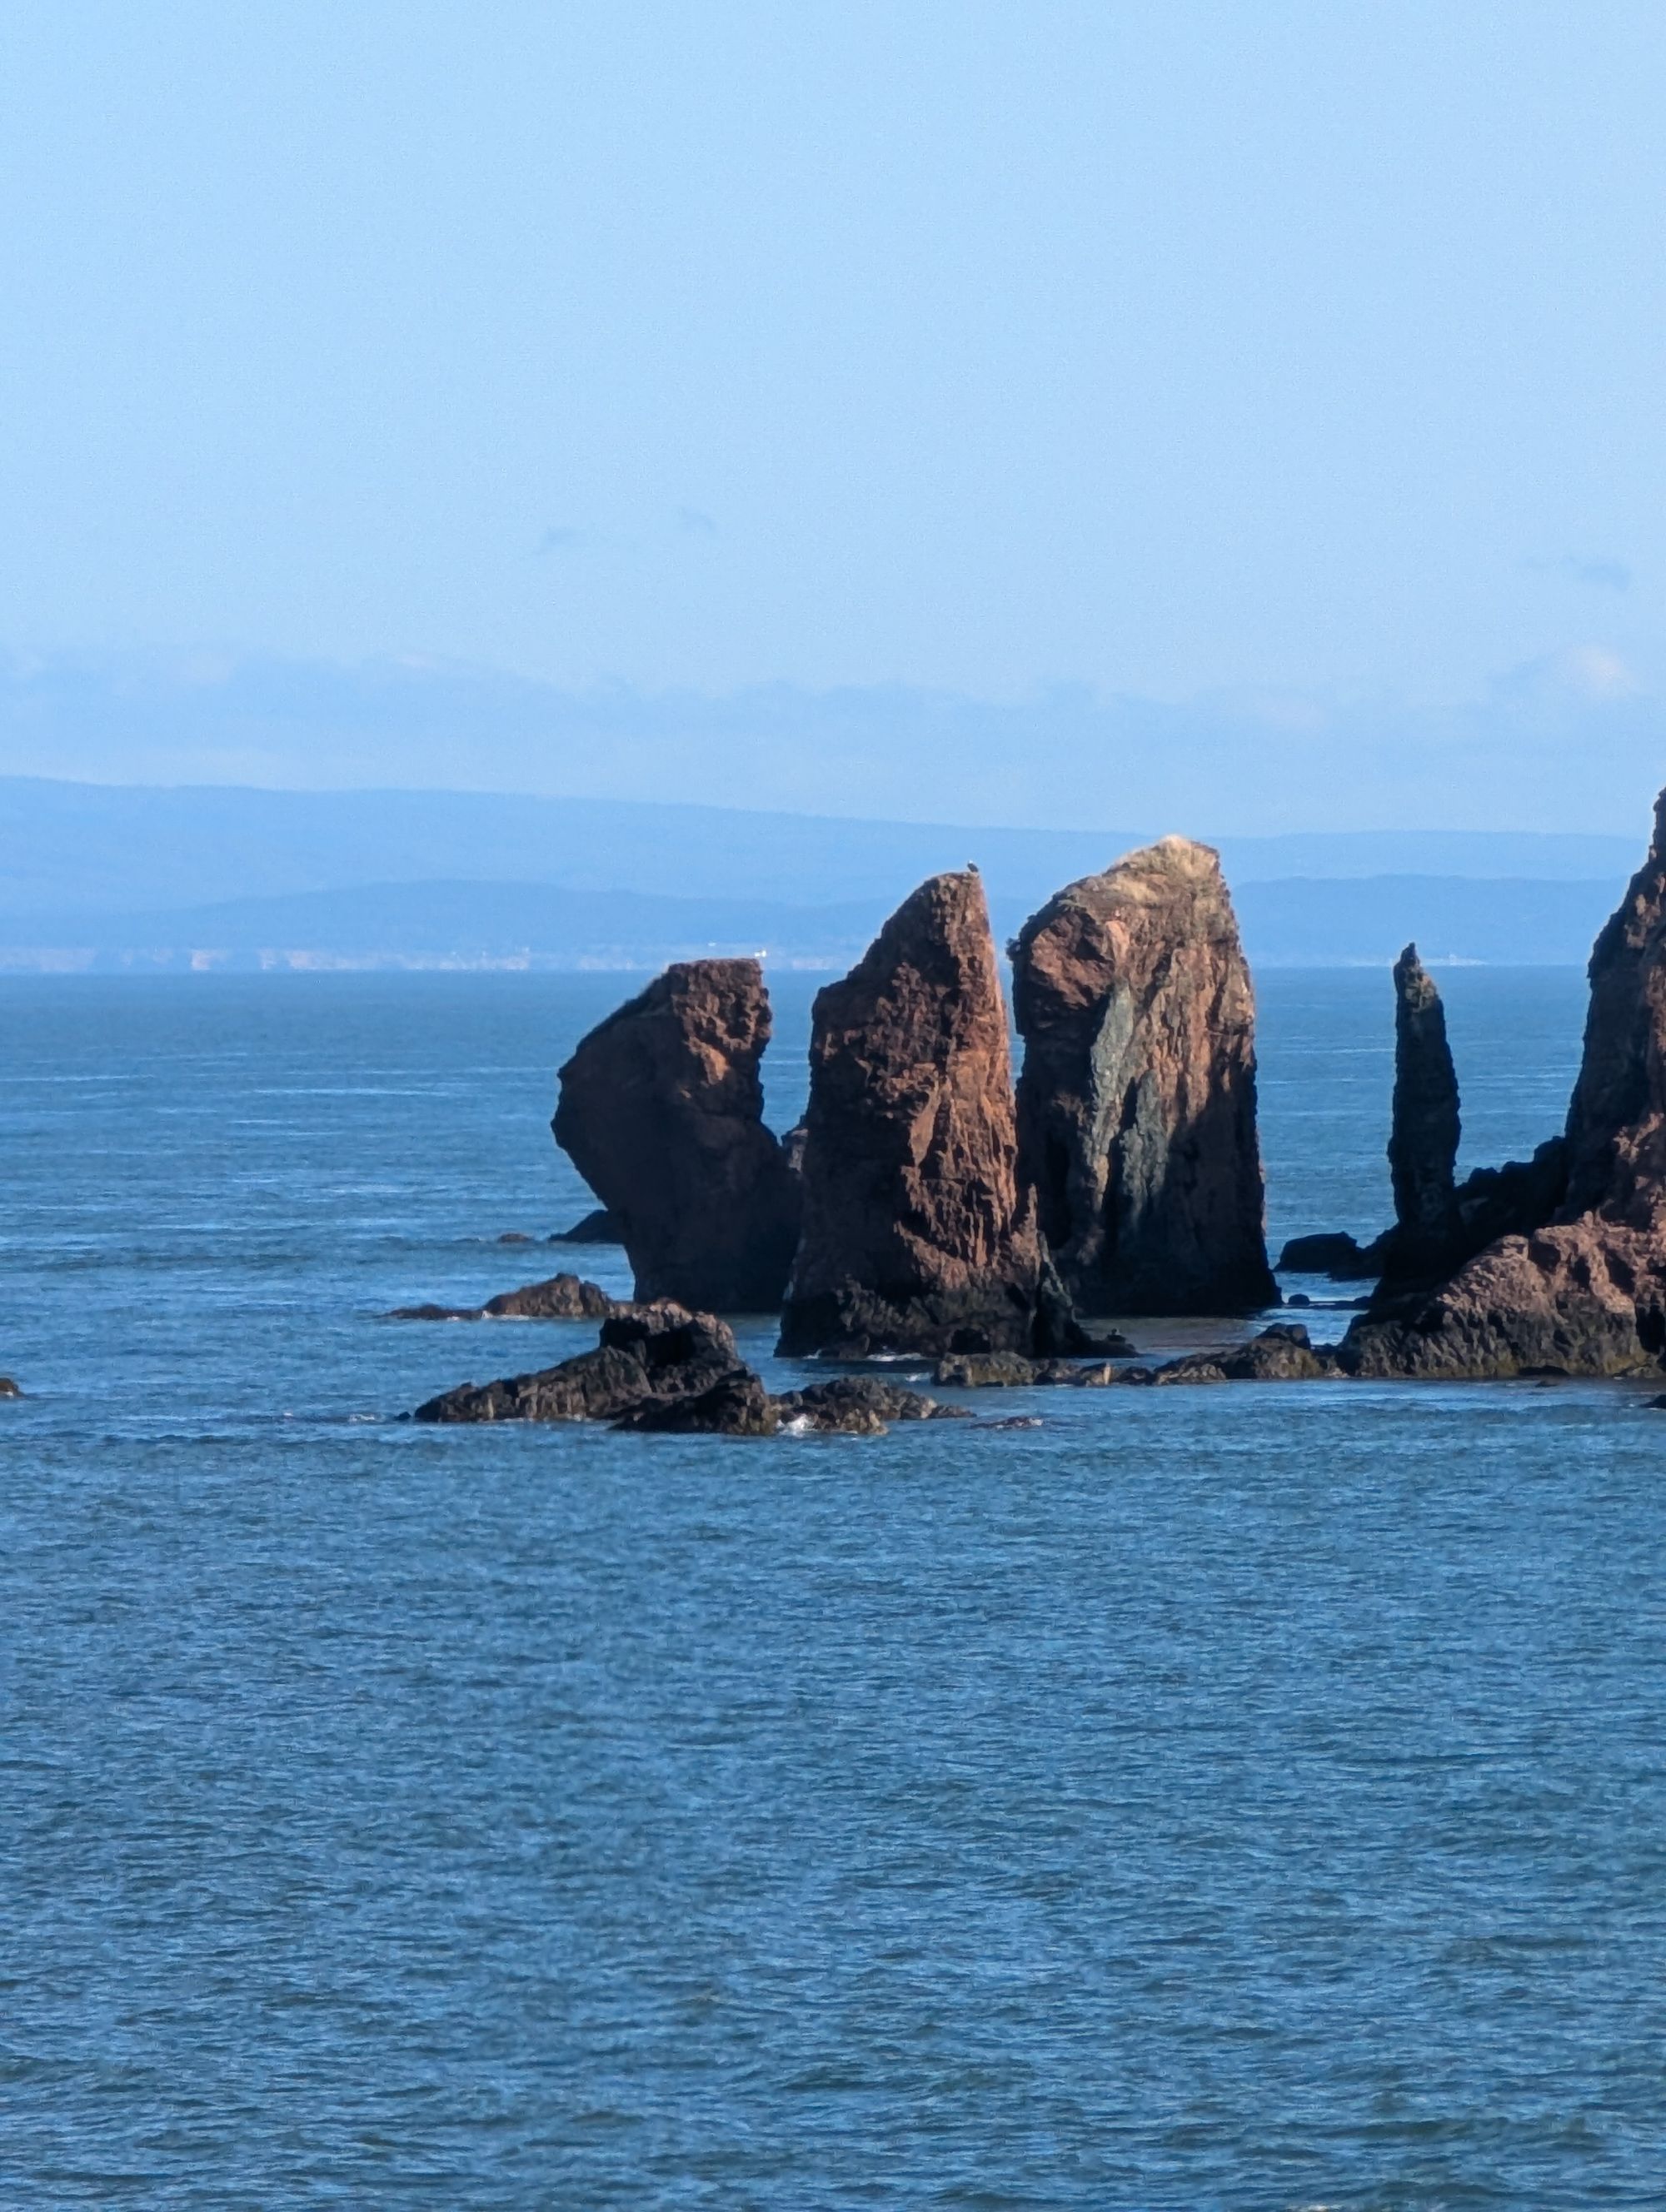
(695, 522)
(1605, 573)
(562, 537)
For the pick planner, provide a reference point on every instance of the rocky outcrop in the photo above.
(659, 1351)
(659, 1370)
(1582, 1297)
(1331, 1252)
(1423, 1135)
(1011, 1370)
(561, 1297)
(1439, 1221)
(736, 1405)
(661, 1110)
(1282, 1353)
(1136, 1104)
(599, 1226)
(860, 1405)
(1585, 1293)
(9, 1388)
(915, 1236)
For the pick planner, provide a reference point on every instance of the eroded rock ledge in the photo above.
(661, 1369)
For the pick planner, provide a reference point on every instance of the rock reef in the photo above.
(916, 1234)
(559, 1297)
(1136, 1102)
(661, 1110)
(662, 1369)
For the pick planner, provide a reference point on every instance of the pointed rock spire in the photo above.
(1423, 1139)
(915, 1235)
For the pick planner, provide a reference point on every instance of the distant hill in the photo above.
(1312, 921)
(79, 849)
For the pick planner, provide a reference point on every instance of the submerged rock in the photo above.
(1282, 1353)
(1012, 1371)
(860, 1404)
(1136, 1104)
(661, 1110)
(561, 1297)
(915, 1237)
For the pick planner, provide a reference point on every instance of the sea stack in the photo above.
(915, 1237)
(1136, 1105)
(661, 1110)
(1586, 1292)
(1423, 1136)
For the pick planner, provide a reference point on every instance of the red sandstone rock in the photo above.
(1423, 1137)
(661, 1111)
(915, 1236)
(1136, 1106)
(1586, 1293)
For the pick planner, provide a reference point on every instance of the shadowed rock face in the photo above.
(661, 1110)
(1616, 1127)
(915, 1237)
(1136, 1106)
(1423, 1139)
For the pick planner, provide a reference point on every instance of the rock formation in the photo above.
(1438, 1223)
(915, 1236)
(561, 1297)
(1423, 1134)
(860, 1404)
(661, 1110)
(1586, 1292)
(659, 1369)
(656, 1352)
(1136, 1105)
(599, 1226)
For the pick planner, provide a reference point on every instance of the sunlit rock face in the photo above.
(915, 1235)
(1136, 1104)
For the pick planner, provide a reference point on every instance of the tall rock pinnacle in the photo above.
(915, 1236)
(1423, 1140)
(1136, 1105)
(1581, 1290)
(661, 1110)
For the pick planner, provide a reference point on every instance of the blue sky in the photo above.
(1288, 363)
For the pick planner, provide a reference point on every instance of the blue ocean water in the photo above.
(1237, 1798)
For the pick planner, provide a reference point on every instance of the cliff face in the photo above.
(661, 1111)
(1616, 1128)
(915, 1237)
(1423, 1139)
(1585, 1293)
(1136, 1106)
